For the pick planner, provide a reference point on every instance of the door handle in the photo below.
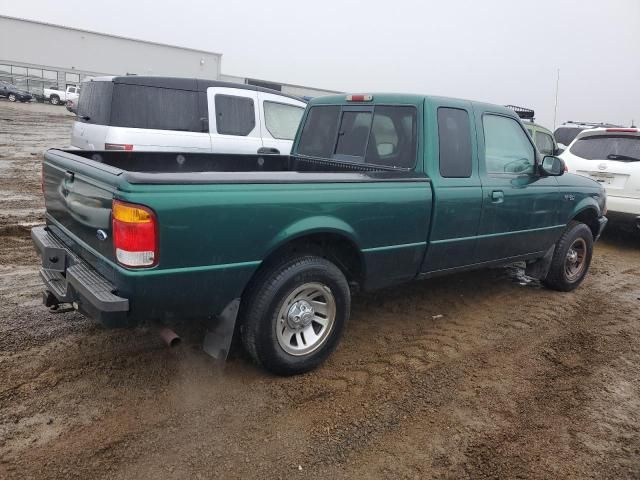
(268, 151)
(497, 196)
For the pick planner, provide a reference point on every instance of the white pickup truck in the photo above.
(60, 97)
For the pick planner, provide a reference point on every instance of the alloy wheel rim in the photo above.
(306, 318)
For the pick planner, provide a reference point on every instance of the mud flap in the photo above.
(540, 268)
(217, 340)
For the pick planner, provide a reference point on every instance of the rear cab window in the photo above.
(378, 135)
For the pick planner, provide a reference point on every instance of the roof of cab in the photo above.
(410, 99)
(179, 83)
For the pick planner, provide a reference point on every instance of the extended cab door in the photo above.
(234, 120)
(519, 207)
(279, 120)
(452, 164)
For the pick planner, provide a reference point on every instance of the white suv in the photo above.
(610, 156)
(568, 131)
(184, 115)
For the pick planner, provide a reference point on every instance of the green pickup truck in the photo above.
(379, 189)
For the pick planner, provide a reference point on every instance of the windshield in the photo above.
(565, 135)
(605, 147)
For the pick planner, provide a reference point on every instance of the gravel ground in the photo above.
(478, 375)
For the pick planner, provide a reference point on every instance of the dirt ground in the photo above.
(478, 375)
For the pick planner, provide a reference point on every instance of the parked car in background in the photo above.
(59, 97)
(183, 114)
(13, 93)
(611, 156)
(379, 190)
(568, 131)
(542, 137)
(72, 105)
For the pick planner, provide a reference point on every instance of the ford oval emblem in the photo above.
(102, 235)
(602, 166)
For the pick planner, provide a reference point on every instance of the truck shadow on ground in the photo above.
(620, 237)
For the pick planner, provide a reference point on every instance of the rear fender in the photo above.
(309, 226)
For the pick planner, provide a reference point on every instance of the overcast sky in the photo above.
(501, 51)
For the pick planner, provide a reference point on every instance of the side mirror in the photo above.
(552, 166)
(558, 150)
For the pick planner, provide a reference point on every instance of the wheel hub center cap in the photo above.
(572, 256)
(300, 315)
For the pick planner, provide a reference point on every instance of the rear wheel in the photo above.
(12, 97)
(571, 258)
(54, 99)
(294, 314)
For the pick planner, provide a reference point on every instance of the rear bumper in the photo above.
(623, 205)
(69, 279)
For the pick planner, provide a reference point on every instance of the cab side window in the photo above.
(507, 147)
(544, 142)
(454, 136)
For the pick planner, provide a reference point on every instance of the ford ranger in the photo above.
(379, 189)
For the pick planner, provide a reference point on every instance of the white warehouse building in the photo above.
(28, 65)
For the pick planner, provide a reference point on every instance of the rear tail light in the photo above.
(118, 146)
(135, 235)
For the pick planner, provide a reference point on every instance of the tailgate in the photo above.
(78, 193)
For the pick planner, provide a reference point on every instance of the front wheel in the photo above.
(12, 97)
(571, 258)
(294, 314)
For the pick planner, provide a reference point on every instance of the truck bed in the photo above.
(192, 168)
(218, 216)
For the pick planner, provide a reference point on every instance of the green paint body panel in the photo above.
(214, 236)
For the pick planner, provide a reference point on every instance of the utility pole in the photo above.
(555, 111)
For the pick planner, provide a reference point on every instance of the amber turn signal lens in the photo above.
(130, 213)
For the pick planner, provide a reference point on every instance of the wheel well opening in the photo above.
(334, 247)
(590, 218)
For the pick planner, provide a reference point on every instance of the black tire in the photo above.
(54, 100)
(576, 237)
(264, 302)
(12, 97)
